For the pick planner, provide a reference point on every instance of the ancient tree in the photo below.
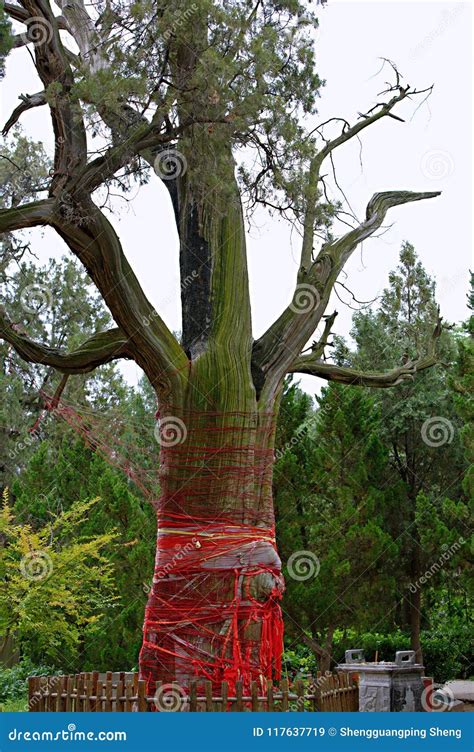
(218, 98)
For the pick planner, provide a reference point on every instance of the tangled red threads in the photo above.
(211, 636)
(213, 610)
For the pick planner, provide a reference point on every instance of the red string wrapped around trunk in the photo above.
(211, 635)
(213, 609)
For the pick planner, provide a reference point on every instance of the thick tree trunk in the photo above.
(213, 610)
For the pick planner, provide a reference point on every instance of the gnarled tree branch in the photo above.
(22, 15)
(101, 348)
(91, 237)
(351, 376)
(312, 365)
(53, 68)
(275, 351)
(26, 215)
(28, 101)
(376, 211)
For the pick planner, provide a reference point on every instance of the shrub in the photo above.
(14, 684)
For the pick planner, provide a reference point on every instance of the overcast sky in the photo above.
(431, 43)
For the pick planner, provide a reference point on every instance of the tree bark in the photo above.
(414, 604)
(213, 609)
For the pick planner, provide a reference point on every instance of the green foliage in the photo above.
(447, 648)
(56, 305)
(6, 40)
(329, 503)
(13, 683)
(354, 482)
(24, 168)
(298, 662)
(419, 425)
(462, 383)
(49, 468)
(54, 477)
(245, 72)
(57, 582)
(358, 486)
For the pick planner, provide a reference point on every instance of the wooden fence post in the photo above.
(125, 692)
(284, 688)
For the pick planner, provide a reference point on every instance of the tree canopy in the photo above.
(191, 90)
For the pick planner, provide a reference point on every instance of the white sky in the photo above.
(431, 43)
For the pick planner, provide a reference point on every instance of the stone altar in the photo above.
(387, 686)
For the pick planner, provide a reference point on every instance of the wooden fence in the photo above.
(124, 692)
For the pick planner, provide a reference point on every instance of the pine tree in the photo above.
(418, 423)
(331, 507)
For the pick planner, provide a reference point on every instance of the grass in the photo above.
(14, 706)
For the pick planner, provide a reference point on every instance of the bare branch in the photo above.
(377, 208)
(318, 346)
(28, 101)
(380, 110)
(343, 375)
(93, 240)
(312, 365)
(276, 349)
(101, 348)
(26, 215)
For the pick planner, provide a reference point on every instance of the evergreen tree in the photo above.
(418, 422)
(57, 303)
(6, 40)
(331, 507)
(189, 90)
(55, 477)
